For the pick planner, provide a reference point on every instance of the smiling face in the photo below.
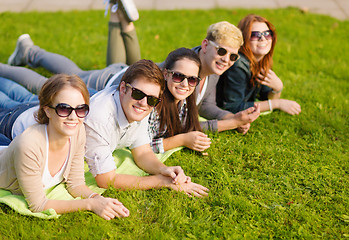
(65, 126)
(182, 90)
(260, 47)
(137, 110)
(212, 62)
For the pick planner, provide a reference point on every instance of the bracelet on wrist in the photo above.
(92, 195)
(270, 105)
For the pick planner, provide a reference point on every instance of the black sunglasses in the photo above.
(179, 77)
(256, 35)
(138, 95)
(64, 110)
(222, 52)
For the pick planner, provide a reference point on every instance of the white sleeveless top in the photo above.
(201, 94)
(47, 180)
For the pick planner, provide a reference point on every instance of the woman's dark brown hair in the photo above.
(52, 87)
(266, 63)
(168, 109)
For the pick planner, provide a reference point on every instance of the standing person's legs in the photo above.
(123, 45)
(24, 76)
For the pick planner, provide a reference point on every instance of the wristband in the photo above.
(270, 105)
(92, 195)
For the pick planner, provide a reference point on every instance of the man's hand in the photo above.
(244, 128)
(176, 173)
(247, 116)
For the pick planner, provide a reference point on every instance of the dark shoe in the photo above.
(18, 57)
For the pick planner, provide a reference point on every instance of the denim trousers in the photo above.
(13, 94)
(9, 116)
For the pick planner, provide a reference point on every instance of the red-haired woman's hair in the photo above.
(266, 62)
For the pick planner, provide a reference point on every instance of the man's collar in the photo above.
(120, 114)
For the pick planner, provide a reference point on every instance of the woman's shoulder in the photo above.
(33, 133)
(31, 137)
(30, 142)
(240, 69)
(242, 62)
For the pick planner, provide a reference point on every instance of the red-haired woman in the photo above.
(252, 77)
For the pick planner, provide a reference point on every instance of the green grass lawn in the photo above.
(287, 178)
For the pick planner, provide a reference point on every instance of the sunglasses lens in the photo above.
(63, 110)
(268, 34)
(255, 36)
(177, 77)
(192, 81)
(221, 51)
(82, 110)
(152, 101)
(137, 94)
(234, 57)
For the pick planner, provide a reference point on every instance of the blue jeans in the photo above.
(9, 116)
(12, 94)
(4, 141)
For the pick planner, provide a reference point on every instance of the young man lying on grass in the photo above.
(119, 119)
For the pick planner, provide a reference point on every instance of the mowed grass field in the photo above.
(287, 178)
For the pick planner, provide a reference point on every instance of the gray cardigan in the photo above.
(207, 106)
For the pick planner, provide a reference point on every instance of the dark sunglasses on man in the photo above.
(222, 52)
(64, 110)
(178, 77)
(139, 95)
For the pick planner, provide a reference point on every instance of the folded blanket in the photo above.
(125, 165)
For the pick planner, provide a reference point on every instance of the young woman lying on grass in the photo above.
(252, 77)
(52, 151)
(175, 121)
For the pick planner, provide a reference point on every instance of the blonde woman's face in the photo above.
(260, 47)
(65, 126)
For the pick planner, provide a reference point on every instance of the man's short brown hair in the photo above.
(145, 69)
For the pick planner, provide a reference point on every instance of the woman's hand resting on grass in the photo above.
(197, 141)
